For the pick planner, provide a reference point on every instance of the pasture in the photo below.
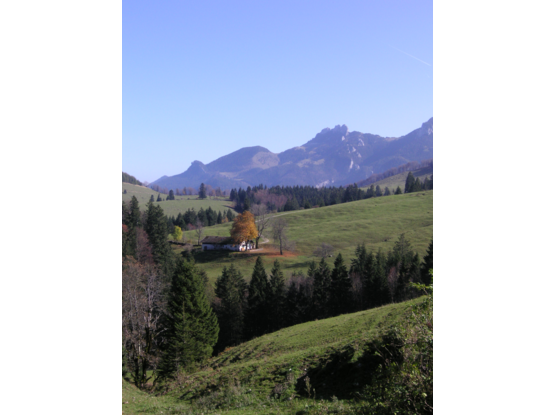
(174, 207)
(376, 222)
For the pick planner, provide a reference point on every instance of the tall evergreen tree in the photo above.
(171, 196)
(322, 288)
(276, 298)
(192, 325)
(151, 198)
(428, 264)
(340, 301)
(256, 320)
(409, 183)
(159, 198)
(378, 191)
(202, 191)
(398, 191)
(231, 290)
(156, 228)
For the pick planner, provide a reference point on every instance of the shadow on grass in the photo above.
(345, 372)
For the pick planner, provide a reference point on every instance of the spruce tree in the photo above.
(417, 185)
(192, 328)
(322, 289)
(220, 218)
(428, 264)
(151, 198)
(276, 298)
(231, 290)
(340, 298)
(156, 228)
(409, 183)
(387, 192)
(159, 199)
(378, 191)
(256, 320)
(398, 191)
(202, 191)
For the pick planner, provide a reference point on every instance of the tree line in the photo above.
(414, 185)
(203, 191)
(127, 178)
(411, 165)
(287, 198)
(269, 303)
(192, 219)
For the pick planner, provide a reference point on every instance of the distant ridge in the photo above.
(127, 178)
(335, 156)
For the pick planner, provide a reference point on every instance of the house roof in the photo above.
(221, 240)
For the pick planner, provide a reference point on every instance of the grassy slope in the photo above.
(173, 207)
(400, 179)
(376, 222)
(331, 352)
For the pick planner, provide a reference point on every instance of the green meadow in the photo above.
(267, 375)
(401, 178)
(375, 222)
(173, 207)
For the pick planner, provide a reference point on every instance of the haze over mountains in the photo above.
(333, 157)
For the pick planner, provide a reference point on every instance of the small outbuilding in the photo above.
(225, 243)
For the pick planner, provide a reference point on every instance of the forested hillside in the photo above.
(127, 178)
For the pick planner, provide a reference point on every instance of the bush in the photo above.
(403, 382)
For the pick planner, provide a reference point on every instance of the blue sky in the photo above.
(203, 79)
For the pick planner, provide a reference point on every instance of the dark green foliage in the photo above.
(229, 215)
(171, 196)
(387, 192)
(231, 290)
(202, 191)
(156, 227)
(151, 198)
(256, 319)
(276, 296)
(131, 218)
(398, 191)
(340, 295)
(192, 329)
(220, 218)
(427, 265)
(402, 379)
(370, 192)
(405, 266)
(378, 191)
(409, 183)
(322, 288)
(417, 185)
(159, 198)
(127, 178)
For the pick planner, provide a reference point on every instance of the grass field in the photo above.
(267, 375)
(376, 222)
(401, 178)
(173, 207)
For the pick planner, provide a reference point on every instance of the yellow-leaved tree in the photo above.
(243, 228)
(177, 233)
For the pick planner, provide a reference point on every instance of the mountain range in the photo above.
(335, 156)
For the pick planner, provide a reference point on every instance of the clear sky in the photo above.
(204, 78)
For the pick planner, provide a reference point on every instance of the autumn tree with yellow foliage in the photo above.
(243, 228)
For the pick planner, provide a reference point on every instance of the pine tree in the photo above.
(151, 198)
(231, 290)
(276, 298)
(202, 191)
(340, 301)
(428, 264)
(417, 185)
(378, 191)
(229, 215)
(409, 183)
(398, 191)
(171, 196)
(159, 199)
(156, 228)
(387, 192)
(256, 320)
(220, 218)
(322, 288)
(192, 325)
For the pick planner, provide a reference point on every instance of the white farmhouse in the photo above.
(214, 243)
